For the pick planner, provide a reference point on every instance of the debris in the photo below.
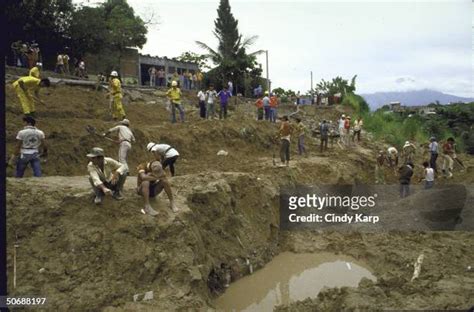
(222, 153)
(417, 266)
(42, 270)
(240, 242)
(148, 296)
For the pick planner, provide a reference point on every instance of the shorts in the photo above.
(154, 189)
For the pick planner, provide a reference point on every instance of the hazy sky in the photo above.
(401, 45)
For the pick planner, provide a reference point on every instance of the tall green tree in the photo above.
(231, 58)
(125, 29)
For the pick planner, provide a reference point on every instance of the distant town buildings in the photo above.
(397, 107)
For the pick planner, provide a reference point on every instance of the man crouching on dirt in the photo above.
(106, 175)
(151, 181)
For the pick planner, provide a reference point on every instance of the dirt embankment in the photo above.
(86, 257)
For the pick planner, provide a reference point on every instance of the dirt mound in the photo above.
(85, 257)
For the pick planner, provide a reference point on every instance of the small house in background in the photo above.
(396, 107)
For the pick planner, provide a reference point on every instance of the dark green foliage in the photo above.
(232, 61)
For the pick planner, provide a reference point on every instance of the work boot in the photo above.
(173, 206)
(150, 211)
(117, 196)
(98, 200)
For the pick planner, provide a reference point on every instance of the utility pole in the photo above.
(268, 79)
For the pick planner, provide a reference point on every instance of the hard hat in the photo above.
(266, 92)
(407, 143)
(174, 83)
(114, 74)
(39, 64)
(125, 122)
(343, 116)
(150, 146)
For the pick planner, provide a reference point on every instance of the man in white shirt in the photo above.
(106, 175)
(341, 129)
(169, 155)
(429, 175)
(202, 104)
(434, 151)
(125, 139)
(211, 96)
(357, 129)
(27, 151)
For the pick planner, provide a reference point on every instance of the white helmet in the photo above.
(174, 83)
(150, 146)
(114, 74)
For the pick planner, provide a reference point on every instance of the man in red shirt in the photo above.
(259, 104)
(448, 152)
(273, 107)
(347, 127)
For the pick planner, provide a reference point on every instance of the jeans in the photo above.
(115, 188)
(202, 109)
(404, 190)
(223, 111)
(324, 143)
(23, 162)
(161, 82)
(301, 148)
(273, 114)
(170, 162)
(177, 106)
(210, 110)
(285, 151)
(267, 112)
(429, 184)
(433, 158)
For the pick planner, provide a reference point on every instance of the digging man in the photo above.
(151, 181)
(125, 139)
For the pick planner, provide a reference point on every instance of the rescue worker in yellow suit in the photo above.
(118, 112)
(35, 71)
(27, 89)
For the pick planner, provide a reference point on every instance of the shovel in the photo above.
(93, 131)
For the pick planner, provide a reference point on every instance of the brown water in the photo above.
(291, 277)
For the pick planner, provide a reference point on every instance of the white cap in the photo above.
(114, 74)
(407, 143)
(343, 115)
(174, 83)
(151, 146)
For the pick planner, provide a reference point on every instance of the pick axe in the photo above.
(92, 130)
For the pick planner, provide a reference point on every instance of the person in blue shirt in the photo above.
(224, 96)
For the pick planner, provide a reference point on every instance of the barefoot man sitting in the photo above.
(151, 181)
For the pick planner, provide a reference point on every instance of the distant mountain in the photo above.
(411, 98)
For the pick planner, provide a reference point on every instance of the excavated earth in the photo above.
(84, 257)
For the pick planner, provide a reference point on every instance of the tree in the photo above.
(124, 28)
(231, 58)
(88, 30)
(192, 57)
